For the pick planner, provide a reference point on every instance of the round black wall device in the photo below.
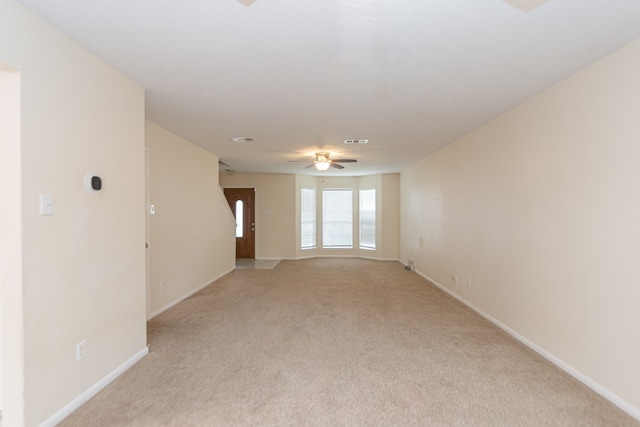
(96, 183)
(92, 182)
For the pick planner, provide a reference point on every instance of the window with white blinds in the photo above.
(337, 218)
(368, 219)
(308, 218)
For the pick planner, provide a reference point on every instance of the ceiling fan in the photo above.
(323, 162)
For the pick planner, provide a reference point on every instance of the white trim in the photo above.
(378, 258)
(184, 297)
(346, 256)
(326, 256)
(93, 390)
(586, 380)
(255, 187)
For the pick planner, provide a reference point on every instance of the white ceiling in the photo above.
(300, 76)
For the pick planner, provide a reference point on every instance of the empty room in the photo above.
(279, 212)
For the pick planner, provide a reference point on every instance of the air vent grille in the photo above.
(241, 139)
(356, 141)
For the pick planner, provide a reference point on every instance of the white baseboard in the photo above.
(378, 259)
(346, 256)
(326, 256)
(184, 297)
(586, 380)
(80, 400)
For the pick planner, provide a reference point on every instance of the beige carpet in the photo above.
(338, 342)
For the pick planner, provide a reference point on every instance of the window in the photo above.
(337, 218)
(308, 218)
(368, 219)
(239, 218)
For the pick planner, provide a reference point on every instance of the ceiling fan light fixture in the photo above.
(322, 165)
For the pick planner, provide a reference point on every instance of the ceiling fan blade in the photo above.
(301, 161)
(344, 160)
(337, 166)
(309, 166)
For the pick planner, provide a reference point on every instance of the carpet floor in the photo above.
(338, 342)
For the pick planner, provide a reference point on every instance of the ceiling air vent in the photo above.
(356, 141)
(241, 139)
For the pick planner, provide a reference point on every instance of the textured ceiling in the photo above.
(300, 76)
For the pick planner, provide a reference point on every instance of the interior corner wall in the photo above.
(11, 277)
(84, 265)
(191, 235)
(390, 216)
(275, 211)
(537, 214)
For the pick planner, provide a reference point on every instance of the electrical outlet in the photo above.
(410, 265)
(162, 284)
(81, 350)
(454, 280)
(468, 281)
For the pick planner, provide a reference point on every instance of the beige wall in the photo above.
(275, 212)
(191, 235)
(389, 221)
(84, 266)
(540, 209)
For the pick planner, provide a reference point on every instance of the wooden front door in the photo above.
(242, 203)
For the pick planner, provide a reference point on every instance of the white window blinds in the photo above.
(368, 219)
(308, 218)
(337, 218)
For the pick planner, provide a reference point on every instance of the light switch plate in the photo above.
(46, 204)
